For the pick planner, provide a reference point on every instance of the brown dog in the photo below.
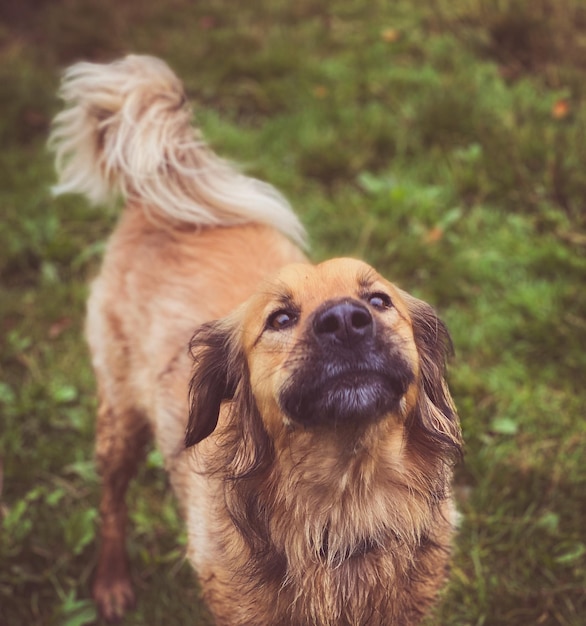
(321, 433)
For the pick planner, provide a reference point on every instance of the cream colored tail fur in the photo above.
(127, 129)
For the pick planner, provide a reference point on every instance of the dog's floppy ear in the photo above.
(436, 411)
(218, 368)
(221, 373)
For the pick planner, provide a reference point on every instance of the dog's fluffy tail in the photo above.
(127, 129)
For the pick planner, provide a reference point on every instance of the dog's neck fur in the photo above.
(360, 499)
(357, 493)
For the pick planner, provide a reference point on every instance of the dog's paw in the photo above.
(113, 597)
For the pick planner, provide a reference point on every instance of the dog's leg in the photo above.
(121, 440)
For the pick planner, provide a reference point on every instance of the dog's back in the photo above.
(127, 131)
(194, 239)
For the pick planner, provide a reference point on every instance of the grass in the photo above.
(442, 141)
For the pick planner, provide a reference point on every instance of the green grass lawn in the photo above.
(443, 141)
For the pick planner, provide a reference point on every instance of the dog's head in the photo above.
(331, 347)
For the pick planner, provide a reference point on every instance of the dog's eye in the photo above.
(281, 319)
(380, 300)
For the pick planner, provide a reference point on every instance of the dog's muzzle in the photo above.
(353, 369)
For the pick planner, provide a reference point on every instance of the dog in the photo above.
(302, 410)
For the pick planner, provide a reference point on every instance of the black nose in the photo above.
(343, 323)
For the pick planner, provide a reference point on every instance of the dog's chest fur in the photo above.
(331, 557)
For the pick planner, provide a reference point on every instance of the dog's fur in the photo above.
(319, 429)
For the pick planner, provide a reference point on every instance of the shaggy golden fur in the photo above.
(311, 444)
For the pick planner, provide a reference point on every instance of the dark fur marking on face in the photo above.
(352, 371)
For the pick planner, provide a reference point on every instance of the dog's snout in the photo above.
(343, 323)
